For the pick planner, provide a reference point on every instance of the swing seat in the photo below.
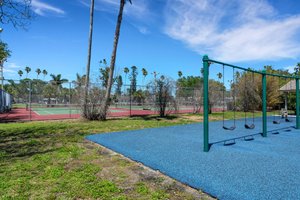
(276, 122)
(229, 128)
(288, 120)
(252, 126)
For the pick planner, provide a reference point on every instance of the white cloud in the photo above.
(291, 69)
(233, 30)
(11, 68)
(139, 11)
(42, 8)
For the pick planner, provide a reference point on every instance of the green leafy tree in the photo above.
(4, 51)
(113, 57)
(119, 85)
(297, 69)
(104, 73)
(133, 77)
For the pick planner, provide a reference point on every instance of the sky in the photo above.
(164, 36)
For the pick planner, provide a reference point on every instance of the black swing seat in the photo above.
(288, 120)
(229, 128)
(276, 122)
(247, 126)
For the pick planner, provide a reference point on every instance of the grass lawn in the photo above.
(50, 160)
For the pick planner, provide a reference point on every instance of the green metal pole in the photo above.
(205, 104)
(297, 104)
(264, 102)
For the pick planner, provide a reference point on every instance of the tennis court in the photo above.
(61, 109)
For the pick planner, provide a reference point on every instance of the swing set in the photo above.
(247, 124)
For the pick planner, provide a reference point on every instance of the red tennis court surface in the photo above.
(21, 114)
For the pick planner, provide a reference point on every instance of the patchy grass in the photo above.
(51, 160)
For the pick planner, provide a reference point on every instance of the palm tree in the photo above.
(145, 73)
(27, 69)
(38, 71)
(20, 72)
(126, 71)
(113, 58)
(179, 74)
(57, 82)
(297, 69)
(44, 73)
(80, 80)
(88, 65)
(219, 75)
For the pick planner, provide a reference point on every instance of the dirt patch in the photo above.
(127, 174)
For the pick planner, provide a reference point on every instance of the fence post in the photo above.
(205, 104)
(297, 104)
(264, 102)
(29, 99)
(130, 100)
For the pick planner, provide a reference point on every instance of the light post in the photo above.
(1, 72)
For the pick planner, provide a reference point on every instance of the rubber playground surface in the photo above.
(263, 168)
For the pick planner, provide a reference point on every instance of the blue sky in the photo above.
(160, 35)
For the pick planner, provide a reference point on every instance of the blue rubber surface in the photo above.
(264, 168)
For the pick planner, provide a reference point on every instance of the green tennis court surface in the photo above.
(62, 111)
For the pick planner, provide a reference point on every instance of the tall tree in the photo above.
(126, 71)
(88, 65)
(80, 80)
(18, 13)
(297, 69)
(145, 73)
(119, 85)
(57, 82)
(44, 73)
(4, 51)
(179, 74)
(113, 58)
(20, 72)
(38, 72)
(27, 69)
(104, 74)
(133, 81)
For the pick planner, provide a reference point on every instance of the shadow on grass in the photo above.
(28, 142)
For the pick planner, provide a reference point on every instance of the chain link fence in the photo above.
(42, 100)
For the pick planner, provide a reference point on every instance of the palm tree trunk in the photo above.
(113, 60)
(88, 66)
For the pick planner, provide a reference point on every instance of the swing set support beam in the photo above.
(264, 103)
(205, 103)
(264, 74)
(297, 104)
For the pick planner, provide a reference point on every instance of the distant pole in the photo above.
(205, 104)
(297, 104)
(264, 103)
(1, 73)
